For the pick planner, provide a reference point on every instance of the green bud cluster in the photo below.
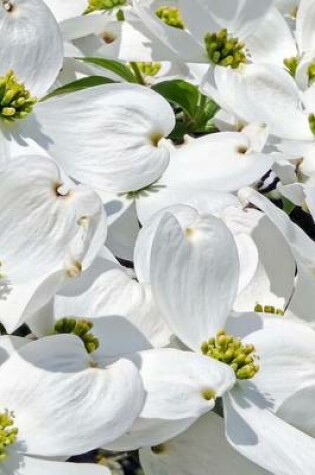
(268, 309)
(224, 50)
(231, 351)
(15, 101)
(171, 16)
(311, 121)
(291, 64)
(80, 328)
(8, 433)
(107, 5)
(149, 69)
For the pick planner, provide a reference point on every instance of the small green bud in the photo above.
(82, 327)
(258, 308)
(65, 325)
(171, 16)
(91, 343)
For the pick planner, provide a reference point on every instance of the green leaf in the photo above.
(78, 85)
(115, 66)
(287, 205)
(180, 93)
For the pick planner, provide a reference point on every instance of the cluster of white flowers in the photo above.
(156, 294)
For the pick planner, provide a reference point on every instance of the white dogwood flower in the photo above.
(179, 385)
(195, 300)
(108, 136)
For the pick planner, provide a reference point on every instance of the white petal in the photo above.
(201, 447)
(71, 8)
(178, 41)
(302, 303)
(240, 18)
(31, 44)
(9, 344)
(301, 245)
(272, 41)
(286, 360)
(87, 406)
(267, 94)
(51, 228)
(19, 302)
(248, 257)
(176, 384)
(124, 314)
(185, 215)
(194, 276)
(272, 281)
(33, 466)
(113, 144)
(122, 40)
(204, 200)
(263, 437)
(122, 234)
(222, 161)
(305, 19)
(45, 218)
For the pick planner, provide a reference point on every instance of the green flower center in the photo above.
(149, 69)
(80, 328)
(268, 309)
(8, 433)
(16, 102)
(224, 50)
(171, 16)
(231, 351)
(311, 121)
(107, 5)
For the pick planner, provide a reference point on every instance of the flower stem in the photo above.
(137, 73)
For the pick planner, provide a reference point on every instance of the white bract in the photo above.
(117, 305)
(51, 229)
(201, 446)
(65, 405)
